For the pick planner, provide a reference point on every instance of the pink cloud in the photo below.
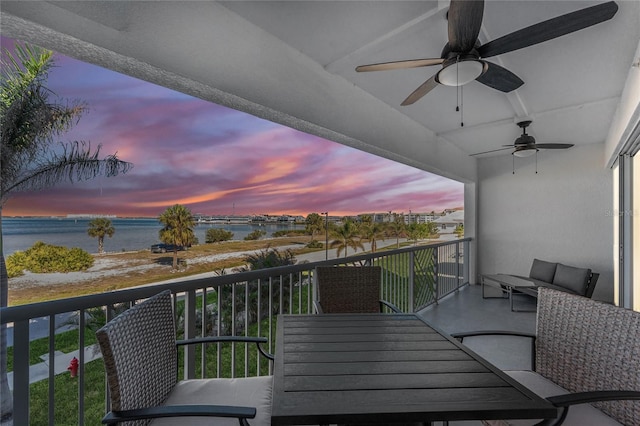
(211, 158)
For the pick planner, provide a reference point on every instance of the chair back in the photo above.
(586, 345)
(140, 356)
(348, 289)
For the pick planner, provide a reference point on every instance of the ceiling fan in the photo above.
(526, 144)
(462, 57)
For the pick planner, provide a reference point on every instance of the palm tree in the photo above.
(178, 229)
(314, 224)
(346, 236)
(99, 227)
(372, 232)
(397, 228)
(276, 295)
(30, 122)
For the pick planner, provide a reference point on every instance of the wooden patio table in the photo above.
(387, 368)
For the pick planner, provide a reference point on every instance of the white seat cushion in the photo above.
(579, 415)
(244, 392)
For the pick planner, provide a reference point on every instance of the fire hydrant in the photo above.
(73, 367)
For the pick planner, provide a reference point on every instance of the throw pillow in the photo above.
(573, 279)
(542, 270)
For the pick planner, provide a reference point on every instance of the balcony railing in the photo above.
(244, 303)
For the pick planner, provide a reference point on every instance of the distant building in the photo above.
(450, 220)
(91, 216)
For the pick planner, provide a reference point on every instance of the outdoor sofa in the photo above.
(569, 279)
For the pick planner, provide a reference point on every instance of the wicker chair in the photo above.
(349, 289)
(586, 355)
(139, 350)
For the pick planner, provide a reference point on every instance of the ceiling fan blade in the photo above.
(493, 150)
(550, 29)
(553, 145)
(465, 20)
(500, 78)
(396, 65)
(425, 88)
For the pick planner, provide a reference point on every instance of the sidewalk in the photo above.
(61, 361)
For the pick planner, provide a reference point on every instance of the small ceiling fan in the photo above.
(462, 57)
(526, 144)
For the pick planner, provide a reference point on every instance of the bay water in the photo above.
(130, 233)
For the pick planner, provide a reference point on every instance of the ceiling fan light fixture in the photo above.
(460, 73)
(524, 152)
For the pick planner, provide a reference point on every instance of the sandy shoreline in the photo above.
(109, 266)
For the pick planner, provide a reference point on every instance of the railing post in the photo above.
(435, 274)
(219, 330)
(234, 315)
(21, 373)
(314, 288)
(81, 330)
(412, 274)
(466, 256)
(189, 333)
(259, 320)
(457, 266)
(109, 314)
(52, 368)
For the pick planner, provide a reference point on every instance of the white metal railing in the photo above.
(244, 303)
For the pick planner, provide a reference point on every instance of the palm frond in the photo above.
(76, 162)
(28, 67)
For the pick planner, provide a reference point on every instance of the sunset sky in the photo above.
(216, 160)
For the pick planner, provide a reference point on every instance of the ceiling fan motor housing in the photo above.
(525, 140)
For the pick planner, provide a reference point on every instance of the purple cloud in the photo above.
(211, 158)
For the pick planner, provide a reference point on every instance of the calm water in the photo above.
(131, 234)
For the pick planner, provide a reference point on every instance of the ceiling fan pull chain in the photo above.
(513, 164)
(461, 106)
(457, 87)
(459, 94)
(536, 161)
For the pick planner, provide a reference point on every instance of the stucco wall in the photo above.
(561, 214)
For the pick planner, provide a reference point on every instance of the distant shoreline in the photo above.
(131, 234)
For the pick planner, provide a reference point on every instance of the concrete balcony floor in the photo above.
(466, 310)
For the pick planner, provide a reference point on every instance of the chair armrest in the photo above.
(389, 305)
(462, 335)
(219, 339)
(567, 400)
(241, 413)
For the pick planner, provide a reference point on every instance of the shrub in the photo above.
(46, 258)
(255, 235)
(315, 244)
(215, 235)
(289, 233)
(16, 264)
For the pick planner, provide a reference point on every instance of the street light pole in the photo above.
(326, 235)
